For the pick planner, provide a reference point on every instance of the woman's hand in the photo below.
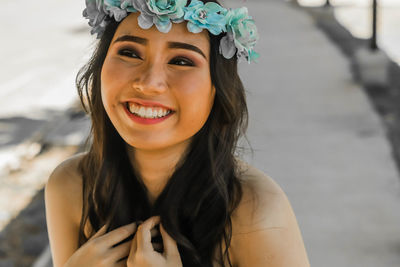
(142, 253)
(98, 250)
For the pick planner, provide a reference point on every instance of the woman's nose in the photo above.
(151, 80)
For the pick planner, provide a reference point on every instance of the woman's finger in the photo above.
(144, 236)
(99, 232)
(170, 246)
(134, 245)
(121, 251)
(119, 234)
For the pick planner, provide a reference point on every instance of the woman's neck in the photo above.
(155, 167)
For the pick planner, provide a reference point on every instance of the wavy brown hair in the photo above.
(197, 202)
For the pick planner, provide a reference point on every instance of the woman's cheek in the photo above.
(196, 108)
(110, 86)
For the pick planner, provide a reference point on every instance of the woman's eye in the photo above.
(182, 62)
(128, 53)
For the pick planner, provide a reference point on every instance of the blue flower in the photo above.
(171, 8)
(160, 13)
(128, 5)
(115, 10)
(115, 3)
(241, 31)
(208, 16)
(242, 34)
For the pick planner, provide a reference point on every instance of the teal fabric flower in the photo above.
(159, 12)
(115, 10)
(210, 16)
(242, 35)
(241, 32)
(97, 15)
(128, 5)
(173, 9)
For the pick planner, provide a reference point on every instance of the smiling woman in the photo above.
(160, 184)
(157, 67)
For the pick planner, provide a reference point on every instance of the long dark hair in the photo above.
(197, 202)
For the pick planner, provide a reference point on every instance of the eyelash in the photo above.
(129, 52)
(188, 62)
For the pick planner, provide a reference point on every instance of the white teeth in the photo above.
(155, 113)
(142, 112)
(150, 113)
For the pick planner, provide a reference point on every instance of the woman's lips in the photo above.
(147, 103)
(145, 121)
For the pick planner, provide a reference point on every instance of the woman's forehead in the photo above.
(178, 32)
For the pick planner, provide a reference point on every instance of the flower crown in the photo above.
(241, 31)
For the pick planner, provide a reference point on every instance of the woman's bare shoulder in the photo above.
(264, 204)
(264, 228)
(66, 182)
(67, 172)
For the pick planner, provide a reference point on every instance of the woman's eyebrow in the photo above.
(143, 41)
(131, 38)
(186, 46)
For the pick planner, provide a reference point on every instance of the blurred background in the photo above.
(324, 102)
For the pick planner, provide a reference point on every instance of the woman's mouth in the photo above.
(146, 114)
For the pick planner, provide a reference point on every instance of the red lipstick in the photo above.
(146, 121)
(147, 103)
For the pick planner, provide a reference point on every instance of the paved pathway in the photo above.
(314, 131)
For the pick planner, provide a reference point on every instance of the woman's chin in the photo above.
(153, 145)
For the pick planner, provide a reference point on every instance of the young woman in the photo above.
(160, 184)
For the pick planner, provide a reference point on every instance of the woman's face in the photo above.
(156, 87)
